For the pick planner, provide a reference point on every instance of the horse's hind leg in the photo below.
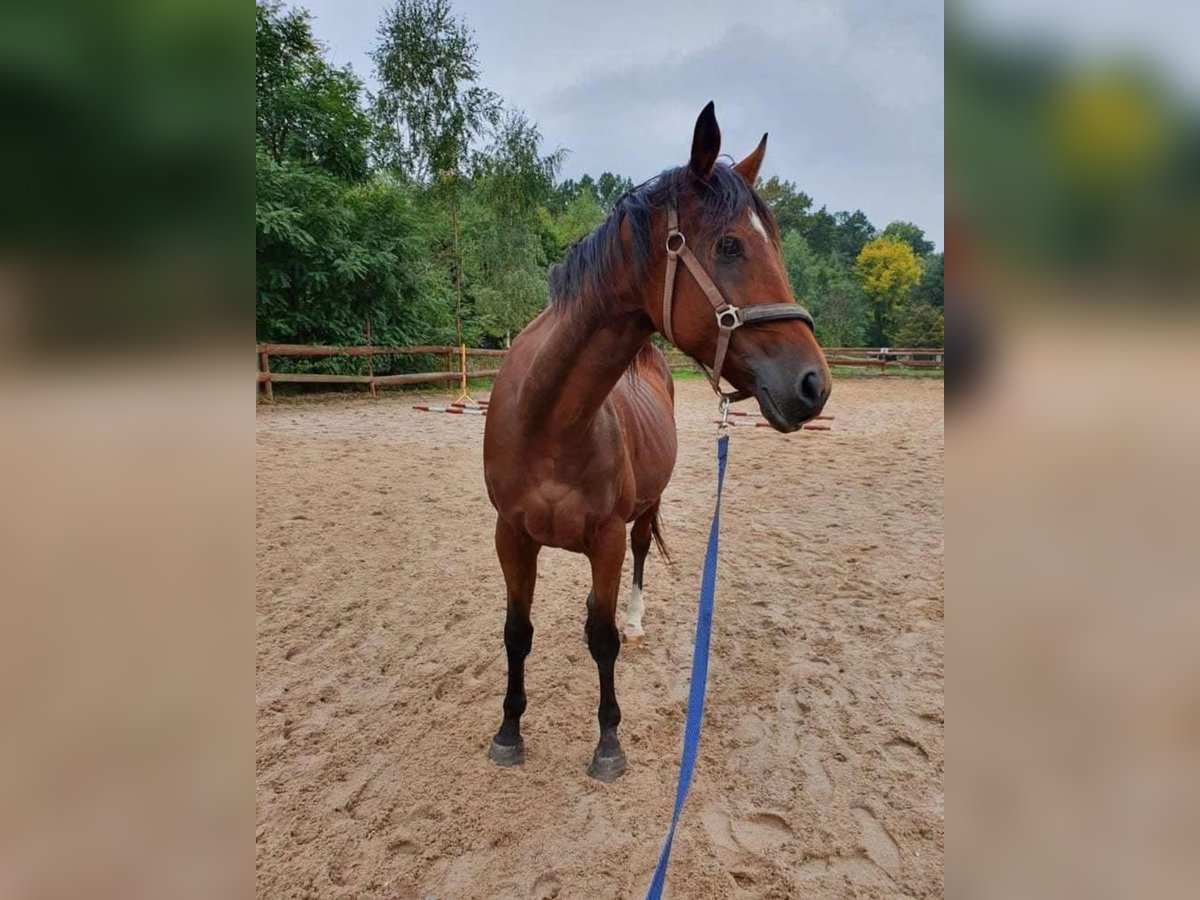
(606, 554)
(639, 541)
(518, 558)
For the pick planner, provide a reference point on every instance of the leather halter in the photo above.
(729, 317)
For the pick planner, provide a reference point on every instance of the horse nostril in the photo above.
(811, 386)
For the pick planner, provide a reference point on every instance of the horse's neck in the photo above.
(577, 364)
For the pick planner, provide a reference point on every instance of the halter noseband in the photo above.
(729, 317)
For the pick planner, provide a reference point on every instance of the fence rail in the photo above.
(366, 350)
(882, 357)
(868, 357)
(267, 378)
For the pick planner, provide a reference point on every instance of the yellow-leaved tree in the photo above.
(887, 269)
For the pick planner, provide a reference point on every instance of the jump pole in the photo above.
(452, 410)
(748, 424)
(739, 412)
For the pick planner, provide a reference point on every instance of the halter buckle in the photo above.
(729, 318)
(675, 251)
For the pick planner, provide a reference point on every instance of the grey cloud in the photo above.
(831, 133)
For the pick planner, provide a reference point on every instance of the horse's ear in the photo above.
(706, 143)
(748, 167)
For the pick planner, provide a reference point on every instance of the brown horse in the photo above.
(580, 435)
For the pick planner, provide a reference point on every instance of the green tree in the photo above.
(853, 231)
(611, 188)
(519, 177)
(801, 263)
(838, 307)
(430, 107)
(506, 257)
(790, 206)
(911, 234)
(821, 231)
(920, 325)
(828, 289)
(886, 270)
(564, 192)
(305, 109)
(330, 256)
(931, 288)
(582, 215)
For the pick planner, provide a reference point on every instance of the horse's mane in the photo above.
(592, 263)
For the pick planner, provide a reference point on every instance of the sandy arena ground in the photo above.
(380, 666)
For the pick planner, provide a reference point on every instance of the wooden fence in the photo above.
(267, 378)
(869, 357)
(882, 357)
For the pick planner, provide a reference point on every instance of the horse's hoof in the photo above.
(633, 640)
(607, 768)
(506, 756)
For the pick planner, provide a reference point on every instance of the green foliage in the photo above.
(430, 105)
(305, 109)
(931, 288)
(827, 289)
(506, 255)
(853, 231)
(331, 255)
(610, 188)
(429, 109)
(790, 206)
(910, 234)
(517, 178)
(820, 230)
(920, 326)
(581, 215)
(605, 192)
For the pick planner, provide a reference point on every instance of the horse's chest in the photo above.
(560, 508)
(557, 516)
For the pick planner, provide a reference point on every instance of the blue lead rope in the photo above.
(695, 709)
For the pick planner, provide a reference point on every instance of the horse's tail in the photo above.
(656, 533)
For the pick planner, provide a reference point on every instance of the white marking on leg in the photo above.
(633, 620)
(758, 225)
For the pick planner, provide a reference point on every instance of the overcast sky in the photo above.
(850, 90)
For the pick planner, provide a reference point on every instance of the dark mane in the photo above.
(591, 263)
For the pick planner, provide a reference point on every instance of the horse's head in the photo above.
(771, 353)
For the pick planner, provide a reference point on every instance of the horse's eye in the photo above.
(729, 247)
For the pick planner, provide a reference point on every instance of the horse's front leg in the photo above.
(607, 553)
(518, 558)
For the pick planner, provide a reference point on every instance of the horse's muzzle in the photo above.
(789, 399)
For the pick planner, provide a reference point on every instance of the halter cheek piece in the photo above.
(729, 317)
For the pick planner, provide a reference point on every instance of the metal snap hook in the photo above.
(723, 409)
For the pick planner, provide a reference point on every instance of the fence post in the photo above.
(370, 355)
(265, 365)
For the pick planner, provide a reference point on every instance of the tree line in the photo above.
(428, 212)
